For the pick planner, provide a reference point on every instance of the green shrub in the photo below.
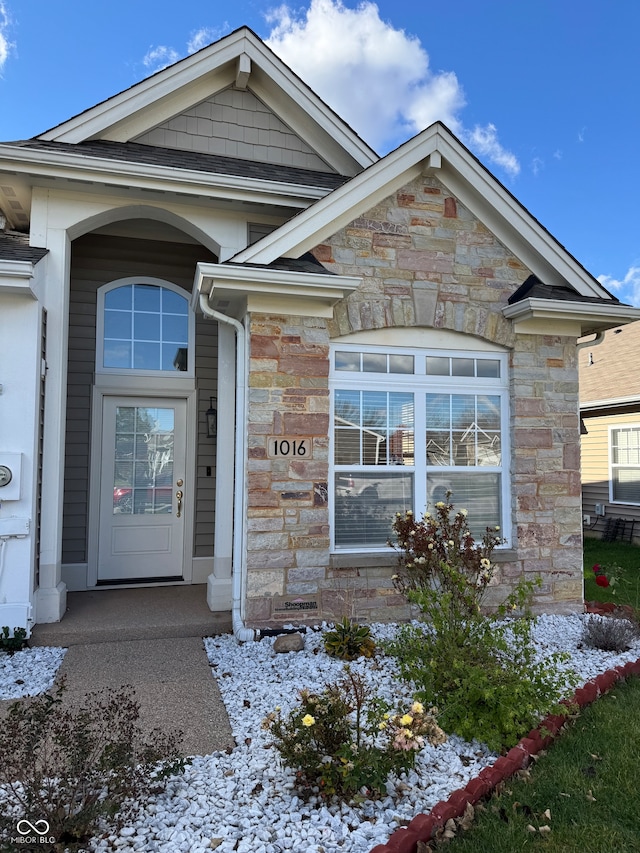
(348, 640)
(479, 669)
(13, 642)
(75, 768)
(343, 743)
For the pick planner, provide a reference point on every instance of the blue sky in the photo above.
(545, 92)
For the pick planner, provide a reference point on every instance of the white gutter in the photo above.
(239, 565)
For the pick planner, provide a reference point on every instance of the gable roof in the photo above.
(608, 369)
(241, 59)
(435, 151)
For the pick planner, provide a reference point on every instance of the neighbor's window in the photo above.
(409, 426)
(145, 327)
(625, 464)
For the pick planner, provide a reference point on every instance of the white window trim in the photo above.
(348, 380)
(612, 464)
(118, 371)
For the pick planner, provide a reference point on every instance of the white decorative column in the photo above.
(51, 596)
(219, 582)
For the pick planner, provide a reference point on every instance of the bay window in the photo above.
(410, 426)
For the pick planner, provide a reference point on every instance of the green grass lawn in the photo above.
(626, 558)
(589, 780)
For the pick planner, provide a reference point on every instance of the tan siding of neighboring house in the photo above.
(596, 472)
(98, 260)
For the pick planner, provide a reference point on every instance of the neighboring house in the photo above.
(373, 332)
(610, 411)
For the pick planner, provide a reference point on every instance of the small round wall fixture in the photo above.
(6, 475)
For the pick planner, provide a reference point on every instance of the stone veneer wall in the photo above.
(425, 262)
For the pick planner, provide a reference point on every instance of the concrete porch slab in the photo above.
(145, 613)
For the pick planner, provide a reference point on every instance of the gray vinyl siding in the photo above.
(98, 260)
(235, 123)
(595, 470)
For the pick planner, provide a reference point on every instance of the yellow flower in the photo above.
(382, 726)
(417, 708)
(386, 716)
(308, 720)
(406, 720)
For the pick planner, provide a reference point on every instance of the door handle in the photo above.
(179, 496)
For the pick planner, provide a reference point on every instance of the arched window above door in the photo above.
(144, 327)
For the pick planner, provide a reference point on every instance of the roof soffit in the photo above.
(207, 72)
(438, 151)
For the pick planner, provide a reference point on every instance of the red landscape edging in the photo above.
(423, 826)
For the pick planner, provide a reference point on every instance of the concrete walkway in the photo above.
(150, 639)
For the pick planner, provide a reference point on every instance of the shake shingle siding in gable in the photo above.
(235, 123)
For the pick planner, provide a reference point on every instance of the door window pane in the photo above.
(143, 469)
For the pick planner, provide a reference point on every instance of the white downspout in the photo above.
(239, 566)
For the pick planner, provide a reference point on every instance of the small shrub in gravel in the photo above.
(609, 633)
(78, 769)
(11, 642)
(343, 743)
(479, 669)
(347, 640)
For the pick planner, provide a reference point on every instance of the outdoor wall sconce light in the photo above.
(212, 419)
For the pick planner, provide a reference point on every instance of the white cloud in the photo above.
(204, 36)
(5, 44)
(484, 141)
(627, 289)
(375, 76)
(536, 165)
(159, 57)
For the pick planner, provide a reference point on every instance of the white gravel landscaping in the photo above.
(246, 802)
(28, 672)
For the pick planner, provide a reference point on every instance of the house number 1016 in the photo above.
(279, 447)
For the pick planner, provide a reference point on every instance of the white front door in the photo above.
(143, 490)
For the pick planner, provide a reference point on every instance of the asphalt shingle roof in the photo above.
(609, 370)
(533, 288)
(15, 247)
(134, 152)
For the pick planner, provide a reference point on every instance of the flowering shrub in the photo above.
(601, 576)
(341, 742)
(480, 670)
